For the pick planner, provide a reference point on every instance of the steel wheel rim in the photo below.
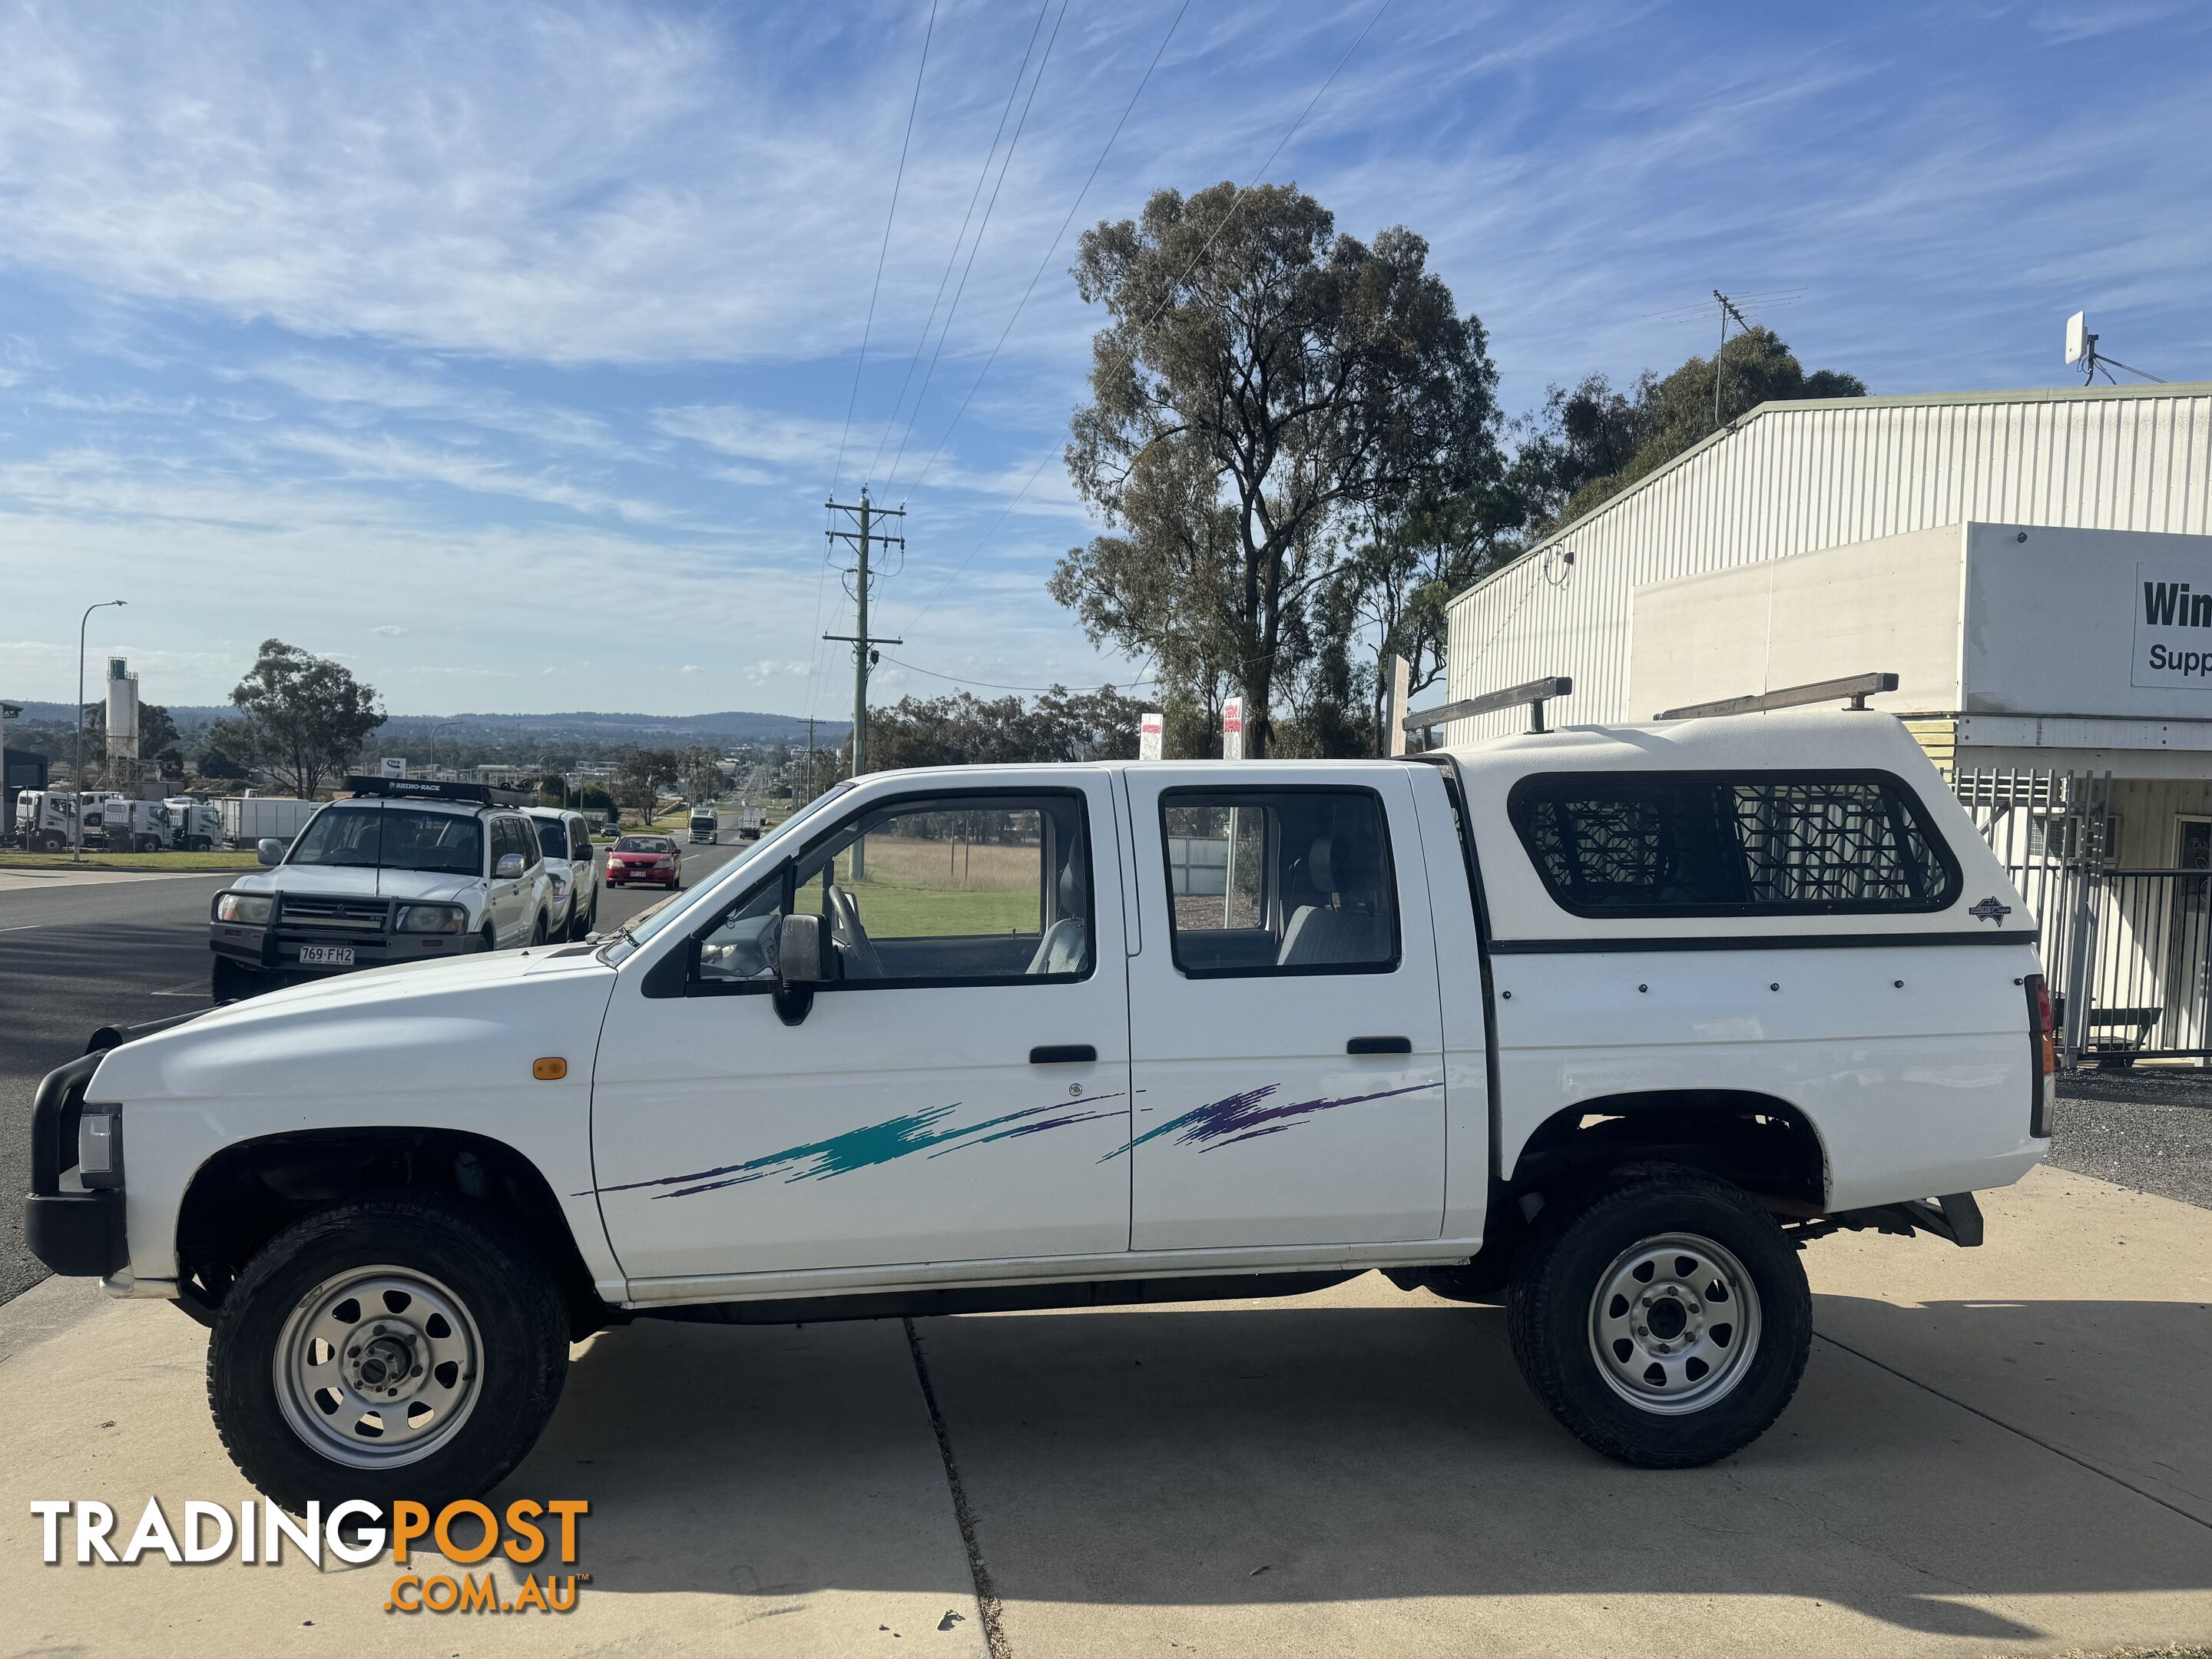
(1674, 1323)
(378, 1367)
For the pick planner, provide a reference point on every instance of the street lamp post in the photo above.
(76, 827)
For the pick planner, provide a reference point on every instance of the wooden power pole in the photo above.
(863, 540)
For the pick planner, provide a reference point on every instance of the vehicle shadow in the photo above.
(1252, 1454)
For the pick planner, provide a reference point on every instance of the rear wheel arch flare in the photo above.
(1758, 1141)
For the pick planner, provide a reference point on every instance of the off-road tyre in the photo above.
(491, 1269)
(1552, 1315)
(228, 982)
(542, 932)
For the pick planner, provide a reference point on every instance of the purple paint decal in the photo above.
(1247, 1115)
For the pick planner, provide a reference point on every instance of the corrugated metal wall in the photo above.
(1795, 478)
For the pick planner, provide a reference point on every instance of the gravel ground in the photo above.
(2144, 1130)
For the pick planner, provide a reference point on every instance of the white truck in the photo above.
(195, 826)
(131, 825)
(46, 819)
(249, 820)
(1605, 1024)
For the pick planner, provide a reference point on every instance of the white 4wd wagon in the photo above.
(400, 870)
(1602, 1023)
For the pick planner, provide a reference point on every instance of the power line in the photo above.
(990, 685)
(883, 253)
(1166, 299)
(950, 259)
(898, 180)
(1071, 207)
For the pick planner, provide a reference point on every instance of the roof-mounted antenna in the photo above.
(2082, 348)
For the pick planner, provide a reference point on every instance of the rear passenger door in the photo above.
(1286, 1028)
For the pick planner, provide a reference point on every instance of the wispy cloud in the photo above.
(390, 458)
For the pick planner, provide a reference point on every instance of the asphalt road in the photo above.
(76, 954)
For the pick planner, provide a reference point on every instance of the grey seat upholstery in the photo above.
(1065, 947)
(1348, 930)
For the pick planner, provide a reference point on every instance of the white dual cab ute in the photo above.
(1602, 1024)
(403, 870)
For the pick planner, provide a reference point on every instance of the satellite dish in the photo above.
(2077, 336)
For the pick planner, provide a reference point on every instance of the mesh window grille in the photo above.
(1832, 843)
(1678, 843)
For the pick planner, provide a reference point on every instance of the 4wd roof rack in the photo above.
(1533, 693)
(481, 794)
(1853, 690)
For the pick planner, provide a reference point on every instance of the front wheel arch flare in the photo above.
(245, 1194)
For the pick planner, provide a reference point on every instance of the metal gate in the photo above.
(2128, 951)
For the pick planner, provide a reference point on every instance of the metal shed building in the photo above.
(2008, 556)
(1797, 478)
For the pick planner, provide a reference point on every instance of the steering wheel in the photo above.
(851, 940)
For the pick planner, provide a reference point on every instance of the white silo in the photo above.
(122, 718)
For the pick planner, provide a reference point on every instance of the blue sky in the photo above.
(504, 353)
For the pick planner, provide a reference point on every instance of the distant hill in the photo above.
(731, 727)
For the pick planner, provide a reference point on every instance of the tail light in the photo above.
(2043, 1042)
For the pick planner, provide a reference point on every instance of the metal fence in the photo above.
(2128, 950)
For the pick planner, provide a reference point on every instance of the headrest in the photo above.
(1070, 887)
(1318, 867)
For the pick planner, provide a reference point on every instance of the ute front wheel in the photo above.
(1665, 1322)
(401, 1346)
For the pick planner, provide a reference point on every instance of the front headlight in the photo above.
(251, 909)
(431, 919)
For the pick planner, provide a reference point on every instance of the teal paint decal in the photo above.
(872, 1144)
(1234, 1119)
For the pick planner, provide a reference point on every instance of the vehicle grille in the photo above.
(335, 915)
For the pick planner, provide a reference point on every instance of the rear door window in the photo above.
(1271, 881)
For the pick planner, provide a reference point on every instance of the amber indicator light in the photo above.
(549, 1069)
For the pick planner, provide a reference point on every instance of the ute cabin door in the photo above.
(960, 1095)
(1288, 1038)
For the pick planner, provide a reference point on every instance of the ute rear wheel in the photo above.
(405, 1346)
(1665, 1322)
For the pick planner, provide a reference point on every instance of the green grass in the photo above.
(910, 913)
(13, 859)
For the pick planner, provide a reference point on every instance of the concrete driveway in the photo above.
(2006, 1450)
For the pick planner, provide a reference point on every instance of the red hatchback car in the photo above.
(638, 860)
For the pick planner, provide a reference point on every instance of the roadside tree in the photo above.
(1261, 375)
(302, 718)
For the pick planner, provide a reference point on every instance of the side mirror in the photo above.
(801, 951)
(269, 850)
(804, 959)
(508, 866)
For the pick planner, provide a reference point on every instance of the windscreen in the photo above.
(642, 844)
(392, 838)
